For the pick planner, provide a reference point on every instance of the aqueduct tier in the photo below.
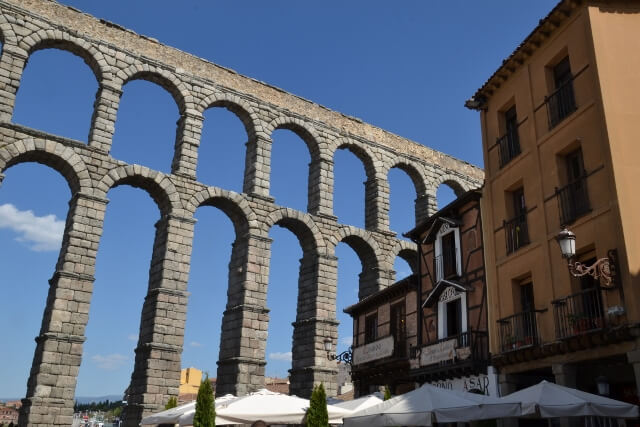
(117, 56)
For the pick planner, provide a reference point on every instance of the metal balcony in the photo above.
(518, 331)
(573, 200)
(561, 103)
(508, 146)
(516, 233)
(579, 313)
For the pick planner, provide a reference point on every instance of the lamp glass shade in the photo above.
(603, 386)
(327, 344)
(567, 241)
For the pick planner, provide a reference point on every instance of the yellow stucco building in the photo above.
(561, 141)
(190, 379)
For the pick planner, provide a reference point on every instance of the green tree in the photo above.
(317, 414)
(205, 415)
(387, 393)
(172, 403)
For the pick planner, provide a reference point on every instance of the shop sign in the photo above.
(373, 351)
(486, 384)
(444, 350)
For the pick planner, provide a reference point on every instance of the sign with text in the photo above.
(373, 351)
(486, 384)
(444, 350)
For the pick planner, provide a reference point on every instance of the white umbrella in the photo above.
(428, 404)
(549, 400)
(267, 406)
(360, 403)
(186, 418)
(172, 416)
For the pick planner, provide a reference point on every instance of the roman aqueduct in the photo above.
(117, 56)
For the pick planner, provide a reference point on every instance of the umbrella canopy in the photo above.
(360, 403)
(267, 406)
(429, 404)
(549, 400)
(172, 416)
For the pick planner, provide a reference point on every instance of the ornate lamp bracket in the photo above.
(603, 269)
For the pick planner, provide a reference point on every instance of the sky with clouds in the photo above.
(406, 67)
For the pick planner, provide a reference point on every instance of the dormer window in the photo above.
(447, 253)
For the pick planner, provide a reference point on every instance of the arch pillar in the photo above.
(423, 208)
(12, 65)
(315, 321)
(56, 362)
(376, 204)
(257, 169)
(372, 280)
(243, 341)
(105, 109)
(188, 133)
(321, 188)
(156, 372)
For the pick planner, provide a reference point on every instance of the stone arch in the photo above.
(360, 151)
(300, 128)
(407, 251)
(157, 184)
(166, 80)
(301, 225)
(413, 171)
(7, 34)
(456, 183)
(232, 204)
(237, 106)
(360, 241)
(50, 153)
(56, 39)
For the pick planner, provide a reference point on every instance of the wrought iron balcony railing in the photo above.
(573, 200)
(518, 331)
(516, 233)
(508, 146)
(561, 103)
(579, 313)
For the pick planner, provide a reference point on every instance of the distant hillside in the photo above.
(110, 397)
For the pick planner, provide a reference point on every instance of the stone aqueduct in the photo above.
(116, 56)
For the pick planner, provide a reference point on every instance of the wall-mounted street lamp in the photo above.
(603, 269)
(603, 385)
(345, 357)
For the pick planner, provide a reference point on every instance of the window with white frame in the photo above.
(447, 253)
(452, 313)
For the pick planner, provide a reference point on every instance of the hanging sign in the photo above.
(444, 350)
(373, 351)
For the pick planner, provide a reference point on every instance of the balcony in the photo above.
(516, 233)
(561, 103)
(508, 146)
(452, 355)
(573, 201)
(518, 331)
(579, 314)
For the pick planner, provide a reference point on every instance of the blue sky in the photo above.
(404, 66)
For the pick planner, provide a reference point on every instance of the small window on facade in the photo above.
(509, 143)
(573, 198)
(399, 328)
(370, 328)
(447, 253)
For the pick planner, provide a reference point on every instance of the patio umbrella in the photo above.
(171, 416)
(267, 406)
(428, 404)
(549, 400)
(360, 403)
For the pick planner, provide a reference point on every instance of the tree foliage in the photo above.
(104, 406)
(172, 403)
(387, 393)
(317, 414)
(205, 415)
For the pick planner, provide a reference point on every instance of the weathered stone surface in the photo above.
(116, 56)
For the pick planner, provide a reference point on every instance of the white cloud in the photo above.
(41, 233)
(346, 341)
(132, 337)
(110, 362)
(286, 356)
(195, 344)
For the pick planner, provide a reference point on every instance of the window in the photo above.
(561, 103)
(371, 328)
(447, 253)
(454, 318)
(573, 199)
(516, 229)
(509, 143)
(398, 328)
(527, 327)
